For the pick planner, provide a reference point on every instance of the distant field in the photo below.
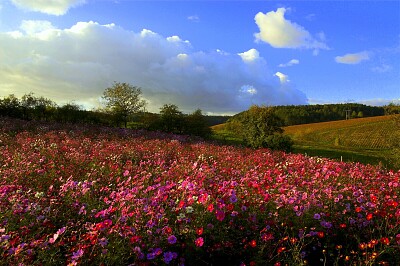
(366, 133)
(366, 140)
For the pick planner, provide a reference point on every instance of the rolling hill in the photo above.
(366, 140)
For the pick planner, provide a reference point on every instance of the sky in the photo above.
(218, 56)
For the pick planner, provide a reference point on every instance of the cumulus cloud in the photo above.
(352, 59)
(35, 26)
(290, 63)
(282, 77)
(282, 33)
(78, 63)
(250, 56)
(51, 7)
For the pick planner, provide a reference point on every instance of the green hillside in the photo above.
(368, 140)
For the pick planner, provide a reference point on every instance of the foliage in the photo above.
(279, 142)
(197, 125)
(90, 196)
(170, 119)
(260, 127)
(123, 100)
(304, 114)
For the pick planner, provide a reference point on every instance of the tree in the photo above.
(196, 124)
(10, 106)
(261, 127)
(123, 100)
(171, 119)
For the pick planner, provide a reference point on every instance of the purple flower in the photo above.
(103, 242)
(76, 255)
(317, 216)
(151, 256)
(168, 256)
(172, 239)
(233, 198)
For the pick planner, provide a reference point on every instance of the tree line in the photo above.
(123, 107)
(305, 114)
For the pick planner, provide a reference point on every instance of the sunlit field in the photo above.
(74, 195)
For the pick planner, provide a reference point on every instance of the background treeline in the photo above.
(170, 119)
(304, 114)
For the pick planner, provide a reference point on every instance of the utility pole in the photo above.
(348, 114)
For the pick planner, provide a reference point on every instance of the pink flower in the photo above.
(199, 242)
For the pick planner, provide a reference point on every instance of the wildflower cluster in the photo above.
(86, 196)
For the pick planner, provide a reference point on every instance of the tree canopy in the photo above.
(261, 127)
(123, 100)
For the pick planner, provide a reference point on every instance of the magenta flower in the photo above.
(220, 215)
(199, 242)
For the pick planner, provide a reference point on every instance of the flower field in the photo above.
(72, 195)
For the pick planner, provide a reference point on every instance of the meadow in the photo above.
(367, 140)
(83, 195)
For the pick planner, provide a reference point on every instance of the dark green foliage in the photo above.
(170, 119)
(279, 142)
(305, 114)
(261, 127)
(196, 124)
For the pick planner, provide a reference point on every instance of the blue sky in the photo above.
(220, 56)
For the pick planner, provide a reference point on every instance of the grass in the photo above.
(366, 140)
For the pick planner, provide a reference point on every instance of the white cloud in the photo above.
(382, 68)
(282, 77)
(352, 59)
(250, 56)
(282, 33)
(35, 26)
(194, 18)
(379, 101)
(248, 89)
(290, 63)
(78, 63)
(51, 7)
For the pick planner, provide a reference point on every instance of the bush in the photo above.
(279, 142)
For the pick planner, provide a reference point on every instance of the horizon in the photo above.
(217, 56)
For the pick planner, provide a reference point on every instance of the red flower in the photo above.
(210, 207)
(320, 234)
(385, 241)
(199, 231)
(167, 230)
(134, 239)
(281, 249)
(199, 242)
(369, 216)
(253, 243)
